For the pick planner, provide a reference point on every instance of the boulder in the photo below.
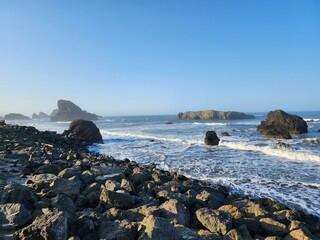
(272, 227)
(116, 230)
(224, 134)
(278, 133)
(16, 193)
(68, 111)
(211, 138)
(84, 130)
(281, 145)
(15, 116)
(116, 199)
(175, 211)
(52, 225)
(66, 186)
(213, 115)
(282, 121)
(156, 228)
(15, 214)
(215, 220)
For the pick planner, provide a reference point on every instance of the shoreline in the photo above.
(137, 200)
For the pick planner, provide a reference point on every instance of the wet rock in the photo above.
(156, 228)
(215, 220)
(272, 227)
(52, 225)
(15, 214)
(211, 138)
(278, 133)
(224, 134)
(175, 211)
(281, 145)
(84, 130)
(116, 199)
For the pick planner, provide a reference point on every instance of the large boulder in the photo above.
(280, 121)
(84, 130)
(68, 111)
(15, 214)
(15, 116)
(211, 138)
(213, 115)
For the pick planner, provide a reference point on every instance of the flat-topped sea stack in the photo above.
(68, 111)
(213, 115)
(279, 121)
(15, 116)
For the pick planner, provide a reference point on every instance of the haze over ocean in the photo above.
(159, 57)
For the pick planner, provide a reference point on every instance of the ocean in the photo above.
(244, 161)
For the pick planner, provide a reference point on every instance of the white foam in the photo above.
(312, 119)
(283, 153)
(211, 124)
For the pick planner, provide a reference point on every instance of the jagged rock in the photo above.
(139, 176)
(15, 214)
(84, 130)
(116, 199)
(213, 115)
(232, 210)
(15, 116)
(68, 111)
(128, 186)
(16, 193)
(272, 227)
(211, 138)
(299, 234)
(43, 115)
(278, 133)
(224, 134)
(66, 186)
(175, 211)
(215, 220)
(118, 230)
(64, 203)
(35, 116)
(281, 121)
(240, 233)
(52, 225)
(156, 228)
(85, 228)
(281, 145)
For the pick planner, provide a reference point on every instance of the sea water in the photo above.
(244, 161)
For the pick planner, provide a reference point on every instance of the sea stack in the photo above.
(211, 138)
(213, 115)
(15, 116)
(68, 111)
(280, 124)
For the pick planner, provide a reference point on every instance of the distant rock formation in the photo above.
(15, 116)
(84, 130)
(211, 138)
(1, 118)
(280, 123)
(43, 115)
(213, 115)
(68, 111)
(35, 116)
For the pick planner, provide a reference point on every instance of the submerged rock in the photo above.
(84, 130)
(68, 111)
(211, 138)
(281, 145)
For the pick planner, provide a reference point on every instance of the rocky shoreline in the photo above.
(69, 192)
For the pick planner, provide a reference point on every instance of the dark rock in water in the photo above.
(282, 121)
(35, 116)
(84, 130)
(278, 133)
(211, 138)
(15, 116)
(281, 145)
(224, 134)
(213, 115)
(168, 122)
(43, 115)
(52, 225)
(319, 131)
(68, 111)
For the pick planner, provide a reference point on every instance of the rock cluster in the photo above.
(41, 115)
(71, 193)
(280, 124)
(213, 115)
(68, 111)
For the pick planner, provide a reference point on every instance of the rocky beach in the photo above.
(53, 187)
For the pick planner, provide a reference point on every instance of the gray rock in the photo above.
(15, 116)
(118, 230)
(272, 227)
(211, 138)
(84, 130)
(116, 199)
(15, 214)
(16, 193)
(52, 225)
(215, 220)
(213, 115)
(156, 228)
(68, 111)
(113, 177)
(64, 203)
(281, 145)
(175, 211)
(68, 187)
(43, 115)
(35, 116)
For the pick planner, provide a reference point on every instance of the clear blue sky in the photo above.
(156, 57)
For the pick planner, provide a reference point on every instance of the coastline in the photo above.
(136, 200)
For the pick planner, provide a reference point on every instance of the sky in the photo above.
(125, 57)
